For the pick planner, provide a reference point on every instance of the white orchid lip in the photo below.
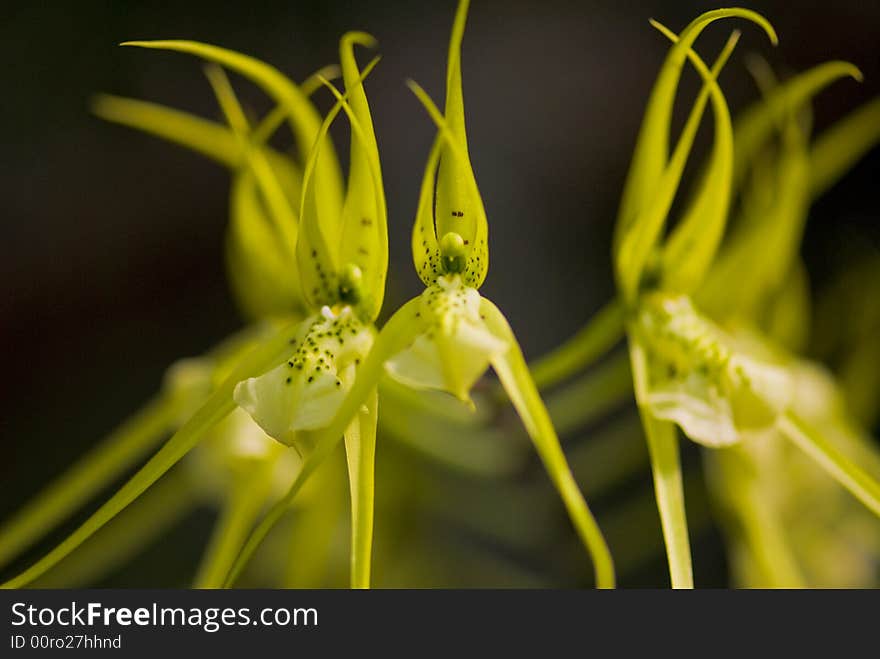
(454, 347)
(698, 380)
(304, 392)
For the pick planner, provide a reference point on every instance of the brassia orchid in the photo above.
(341, 254)
(688, 371)
(780, 546)
(449, 336)
(307, 259)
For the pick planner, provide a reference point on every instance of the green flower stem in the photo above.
(399, 331)
(600, 334)
(87, 477)
(171, 499)
(662, 440)
(271, 352)
(360, 451)
(666, 468)
(244, 504)
(514, 375)
(832, 460)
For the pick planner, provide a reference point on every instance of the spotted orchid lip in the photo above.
(454, 347)
(304, 392)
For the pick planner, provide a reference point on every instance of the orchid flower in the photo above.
(340, 248)
(779, 544)
(689, 372)
(447, 338)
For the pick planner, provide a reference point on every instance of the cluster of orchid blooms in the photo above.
(308, 256)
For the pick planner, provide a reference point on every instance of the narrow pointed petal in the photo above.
(754, 126)
(304, 119)
(98, 468)
(216, 408)
(691, 246)
(514, 375)
(471, 228)
(774, 228)
(260, 268)
(850, 475)
(318, 252)
(837, 149)
(652, 146)
(364, 215)
(128, 534)
(425, 247)
(207, 137)
(360, 452)
(457, 209)
(363, 254)
(640, 233)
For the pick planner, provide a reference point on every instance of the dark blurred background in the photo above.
(111, 250)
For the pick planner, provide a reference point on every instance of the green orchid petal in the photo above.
(273, 120)
(832, 460)
(364, 246)
(285, 220)
(126, 536)
(364, 215)
(754, 126)
(638, 234)
(425, 246)
(206, 137)
(696, 377)
(268, 353)
(98, 468)
(302, 115)
(514, 375)
(263, 280)
(666, 469)
(454, 237)
(458, 253)
(841, 146)
(318, 245)
(454, 347)
(691, 246)
(399, 332)
(459, 209)
(761, 253)
(649, 171)
(305, 392)
(360, 452)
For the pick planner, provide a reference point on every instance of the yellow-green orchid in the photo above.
(446, 338)
(340, 251)
(718, 388)
(793, 529)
